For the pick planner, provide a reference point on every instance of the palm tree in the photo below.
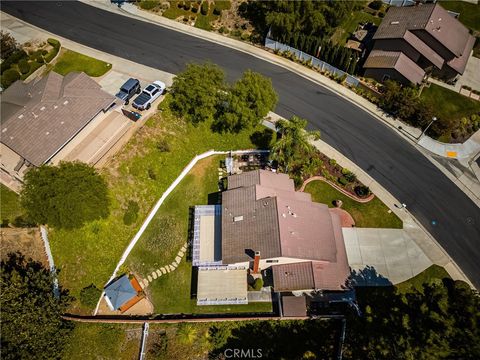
(186, 333)
(294, 142)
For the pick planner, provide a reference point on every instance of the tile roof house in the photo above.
(414, 41)
(41, 117)
(263, 216)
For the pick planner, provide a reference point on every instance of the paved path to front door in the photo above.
(382, 256)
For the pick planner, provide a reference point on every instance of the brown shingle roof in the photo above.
(432, 18)
(379, 59)
(294, 306)
(267, 217)
(294, 276)
(40, 117)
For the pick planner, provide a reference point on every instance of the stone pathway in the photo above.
(156, 274)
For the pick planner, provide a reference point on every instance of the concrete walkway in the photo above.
(410, 133)
(389, 254)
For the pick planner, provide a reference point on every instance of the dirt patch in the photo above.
(25, 240)
(202, 166)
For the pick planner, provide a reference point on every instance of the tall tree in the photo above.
(293, 148)
(32, 327)
(65, 196)
(8, 44)
(196, 92)
(246, 103)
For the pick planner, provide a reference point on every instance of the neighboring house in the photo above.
(412, 42)
(123, 293)
(264, 224)
(40, 118)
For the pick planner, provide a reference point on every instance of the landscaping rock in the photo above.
(149, 278)
(164, 271)
(154, 274)
(178, 259)
(159, 273)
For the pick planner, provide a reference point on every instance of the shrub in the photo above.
(332, 162)
(33, 66)
(89, 296)
(148, 4)
(12, 59)
(258, 284)
(180, 4)
(54, 42)
(350, 176)
(342, 181)
(204, 8)
(9, 77)
(376, 4)
(381, 14)
(236, 33)
(195, 8)
(39, 58)
(245, 36)
(23, 66)
(362, 190)
(163, 145)
(223, 30)
(51, 55)
(131, 213)
(216, 10)
(151, 174)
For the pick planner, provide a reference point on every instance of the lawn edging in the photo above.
(344, 192)
(160, 201)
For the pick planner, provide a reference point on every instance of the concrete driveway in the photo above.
(390, 253)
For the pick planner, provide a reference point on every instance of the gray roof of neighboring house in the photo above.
(40, 117)
(120, 291)
(380, 59)
(264, 213)
(431, 18)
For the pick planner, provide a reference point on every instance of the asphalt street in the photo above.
(387, 157)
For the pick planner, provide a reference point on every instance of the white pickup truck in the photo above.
(149, 95)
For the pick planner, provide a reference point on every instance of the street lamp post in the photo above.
(424, 131)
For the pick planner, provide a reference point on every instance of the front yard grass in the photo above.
(448, 104)
(141, 172)
(451, 108)
(373, 214)
(343, 32)
(434, 272)
(70, 61)
(166, 234)
(10, 207)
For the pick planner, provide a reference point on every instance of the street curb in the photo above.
(299, 70)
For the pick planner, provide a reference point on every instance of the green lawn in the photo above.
(449, 104)
(433, 272)
(140, 172)
(166, 234)
(450, 107)
(343, 32)
(204, 21)
(174, 11)
(373, 214)
(70, 61)
(10, 207)
(103, 341)
(469, 13)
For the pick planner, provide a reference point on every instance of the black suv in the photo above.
(130, 88)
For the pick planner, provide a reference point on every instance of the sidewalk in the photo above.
(411, 134)
(411, 227)
(423, 239)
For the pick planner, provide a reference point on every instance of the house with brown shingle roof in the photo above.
(39, 118)
(412, 42)
(266, 224)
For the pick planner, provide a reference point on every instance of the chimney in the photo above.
(256, 262)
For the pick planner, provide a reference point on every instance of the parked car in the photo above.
(149, 95)
(130, 88)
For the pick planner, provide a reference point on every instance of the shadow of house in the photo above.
(368, 276)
